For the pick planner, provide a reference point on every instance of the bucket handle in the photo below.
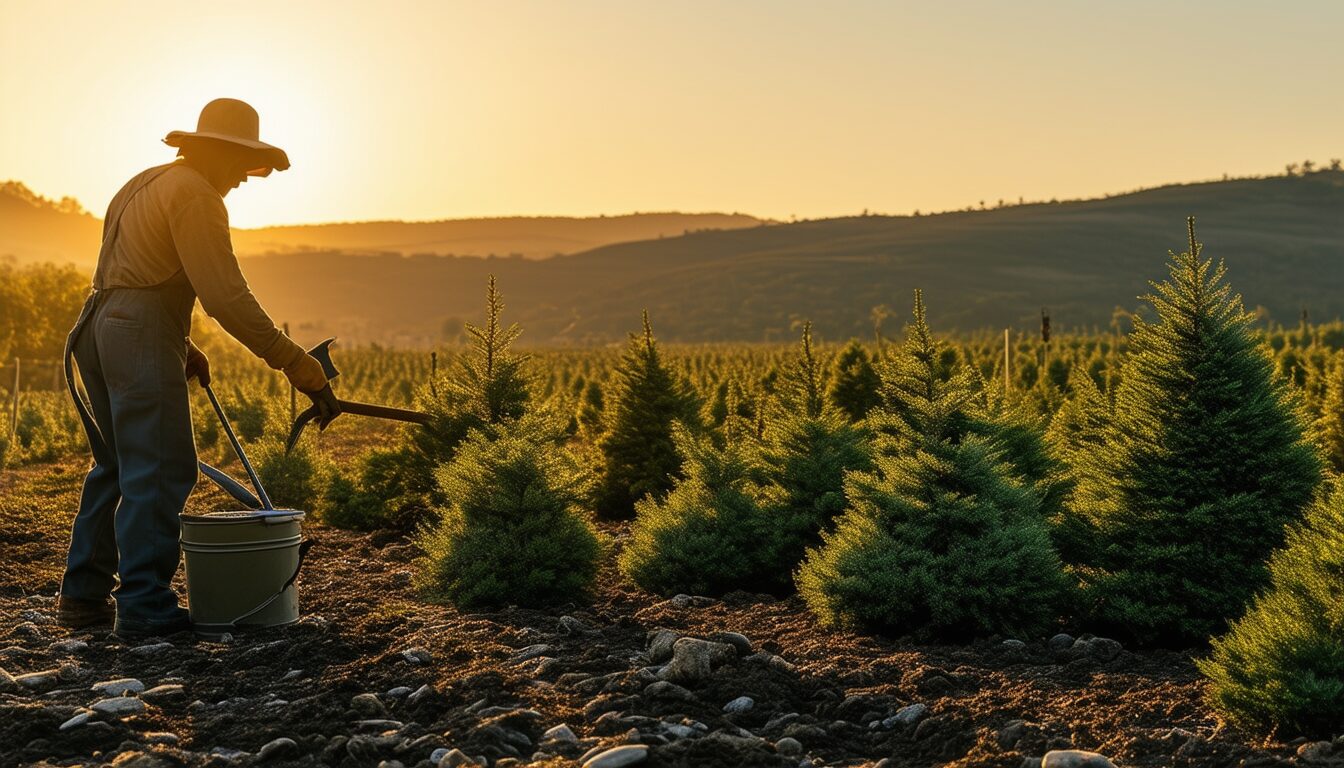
(304, 546)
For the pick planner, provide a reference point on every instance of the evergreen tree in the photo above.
(1077, 434)
(512, 531)
(639, 457)
(940, 540)
(590, 411)
(706, 536)
(855, 384)
(1204, 463)
(1330, 424)
(807, 449)
(1281, 667)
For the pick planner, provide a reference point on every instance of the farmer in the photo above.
(165, 243)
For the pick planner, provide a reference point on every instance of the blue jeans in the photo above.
(130, 347)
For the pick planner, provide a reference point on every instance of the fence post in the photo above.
(433, 373)
(293, 393)
(1006, 380)
(14, 412)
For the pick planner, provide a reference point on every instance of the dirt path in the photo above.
(373, 674)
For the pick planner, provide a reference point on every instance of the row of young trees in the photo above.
(912, 494)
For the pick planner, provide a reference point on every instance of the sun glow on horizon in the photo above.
(418, 111)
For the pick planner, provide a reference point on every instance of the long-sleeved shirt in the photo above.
(178, 222)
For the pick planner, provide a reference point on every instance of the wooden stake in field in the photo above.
(14, 411)
(1007, 383)
(293, 393)
(1045, 340)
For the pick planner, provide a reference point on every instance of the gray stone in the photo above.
(660, 645)
(68, 646)
(280, 747)
(788, 746)
(1011, 733)
(736, 639)
(739, 705)
(618, 757)
(153, 649)
(680, 731)
(906, 716)
(1102, 649)
(167, 738)
(417, 656)
(367, 704)
(437, 755)
(455, 758)
(665, 690)
(419, 694)
(293, 674)
(164, 694)
(1316, 751)
(1014, 645)
(681, 601)
(693, 660)
(119, 706)
(532, 652)
(1074, 758)
(39, 680)
(120, 686)
(1061, 642)
(400, 692)
(560, 732)
(76, 721)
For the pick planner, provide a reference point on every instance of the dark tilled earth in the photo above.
(492, 684)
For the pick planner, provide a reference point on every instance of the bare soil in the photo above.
(477, 690)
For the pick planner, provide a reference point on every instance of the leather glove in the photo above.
(328, 407)
(306, 375)
(198, 365)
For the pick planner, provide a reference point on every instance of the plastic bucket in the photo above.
(240, 568)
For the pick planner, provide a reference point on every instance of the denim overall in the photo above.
(130, 345)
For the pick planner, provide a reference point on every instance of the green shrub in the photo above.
(1281, 667)
(1203, 464)
(940, 540)
(294, 480)
(708, 536)
(513, 531)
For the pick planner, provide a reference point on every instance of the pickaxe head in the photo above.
(323, 354)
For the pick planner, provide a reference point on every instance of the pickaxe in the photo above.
(323, 354)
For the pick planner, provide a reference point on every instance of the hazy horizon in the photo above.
(424, 112)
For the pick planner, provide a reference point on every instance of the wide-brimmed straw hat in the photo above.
(235, 122)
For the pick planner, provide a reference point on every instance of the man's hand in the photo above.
(198, 365)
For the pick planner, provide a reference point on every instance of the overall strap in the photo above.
(114, 221)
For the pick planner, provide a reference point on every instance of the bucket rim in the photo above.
(234, 517)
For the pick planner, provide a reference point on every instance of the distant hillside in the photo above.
(33, 228)
(532, 237)
(1282, 239)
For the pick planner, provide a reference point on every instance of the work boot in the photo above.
(128, 628)
(83, 613)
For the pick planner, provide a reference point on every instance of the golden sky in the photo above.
(421, 110)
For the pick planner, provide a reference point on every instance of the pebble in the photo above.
(292, 674)
(680, 731)
(1061, 642)
(618, 757)
(400, 691)
(162, 737)
(277, 748)
(1102, 649)
(68, 646)
(739, 705)
(367, 704)
(560, 732)
(35, 680)
(437, 755)
(1074, 758)
(660, 645)
(532, 652)
(662, 689)
(76, 721)
(153, 649)
(1316, 751)
(419, 694)
(681, 601)
(906, 716)
(736, 639)
(1015, 645)
(788, 746)
(122, 686)
(119, 706)
(1011, 733)
(454, 758)
(417, 656)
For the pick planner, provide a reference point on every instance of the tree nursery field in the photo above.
(914, 549)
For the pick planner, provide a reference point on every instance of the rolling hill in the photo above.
(1282, 239)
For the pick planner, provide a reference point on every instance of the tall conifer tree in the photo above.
(1204, 463)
